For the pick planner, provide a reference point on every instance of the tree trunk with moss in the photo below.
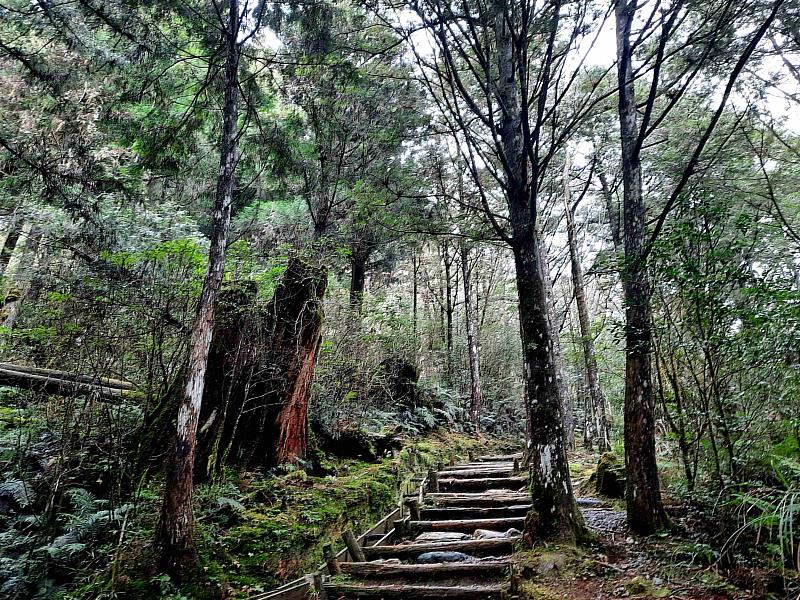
(175, 535)
(473, 344)
(645, 507)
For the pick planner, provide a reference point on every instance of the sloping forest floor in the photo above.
(257, 532)
(683, 563)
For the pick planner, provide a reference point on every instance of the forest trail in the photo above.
(455, 543)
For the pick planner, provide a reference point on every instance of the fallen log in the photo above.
(389, 570)
(68, 376)
(474, 547)
(415, 592)
(467, 525)
(62, 387)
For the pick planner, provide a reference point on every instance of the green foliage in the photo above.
(772, 513)
(38, 551)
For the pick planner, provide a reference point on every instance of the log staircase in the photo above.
(455, 542)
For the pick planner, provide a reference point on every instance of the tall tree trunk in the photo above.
(597, 402)
(176, 549)
(362, 246)
(566, 400)
(612, 210)
(473, 344)
(643, 495)
(449, 307)
(415, 265)
(555, 513)
(18, 280)
(358, 279)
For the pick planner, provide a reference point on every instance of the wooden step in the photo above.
(482, 465)
(414, 592)
(378, 570)
(475, 474)
(471, 547)
(499, 458)
(510, 483)
(467, 525)
(477, 499)
(474, 512)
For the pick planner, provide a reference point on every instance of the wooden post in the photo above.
(433, 480)
(399, 529)
(440, 466)
(516, 580)
(452, 462)
(413, 509)
(353, 547)
(319, 588)
(471, 455)
(516, 466)
(330, 559)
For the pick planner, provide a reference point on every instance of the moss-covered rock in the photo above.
(610, 476)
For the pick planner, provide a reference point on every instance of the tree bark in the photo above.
(473, 344)
(358, 279)
(261, 364)
(558, 355)
(612, 210)
(554, 513)
(361, 248)
(643, 495)
(175, 543)
(449, 308)
(551, 488)
(597, 401)
(22, 267)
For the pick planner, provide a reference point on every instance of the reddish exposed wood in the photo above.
(256, 404)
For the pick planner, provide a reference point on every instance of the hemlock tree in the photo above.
(176, 553)
(493, 76)
(680, 55)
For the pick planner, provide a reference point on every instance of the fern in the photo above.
(88, 526)
(224, 502)
(19, 491)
